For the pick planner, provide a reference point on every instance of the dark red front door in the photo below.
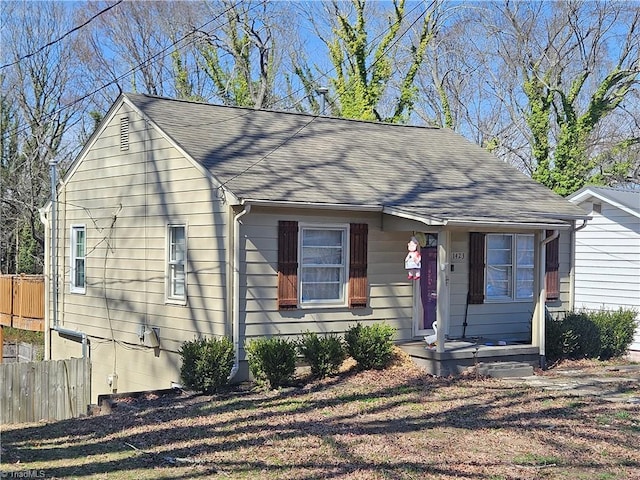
(429, 285)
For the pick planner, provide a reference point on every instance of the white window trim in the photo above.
(73, 288)
(169, 298)
(344, 227)
(514, 268)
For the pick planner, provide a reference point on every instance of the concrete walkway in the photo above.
(613, 383)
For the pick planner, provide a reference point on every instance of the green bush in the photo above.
(617, 329)
(370, 345)
(324, 354)
(554, 341)
(604, 334)
(206, 363)
(272, 361)
(581, 336)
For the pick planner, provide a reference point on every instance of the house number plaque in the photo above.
(457, 257)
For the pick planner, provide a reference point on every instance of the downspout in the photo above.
(572, 274)
(236, 291)
(78, 336)
(542, 299)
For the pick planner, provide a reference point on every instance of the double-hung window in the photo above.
(323, 265)
(176, 263)
(78, 256)
(509, 264)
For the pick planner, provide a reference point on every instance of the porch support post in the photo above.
(538, 320)
(442, 309)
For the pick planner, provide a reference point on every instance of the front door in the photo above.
(428, 289)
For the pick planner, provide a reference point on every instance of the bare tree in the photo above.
(565, 69)
(243, 57)
(38, 107)
(375, 54)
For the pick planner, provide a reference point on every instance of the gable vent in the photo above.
(597, 207)
(124, 133)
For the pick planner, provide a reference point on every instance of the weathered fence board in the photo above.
(49, 390)
(21, 352)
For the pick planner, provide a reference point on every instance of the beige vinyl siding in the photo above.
(492, 320)
(563, 304)
(145, 190)
(390, 295)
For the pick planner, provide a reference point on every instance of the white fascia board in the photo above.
(215, 183)
(585, 194)
(508, 225)
(320, 206)
(430, 221)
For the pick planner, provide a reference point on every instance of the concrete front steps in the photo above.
(505, 369)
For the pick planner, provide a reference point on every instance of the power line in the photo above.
(23, 128)
(53, 42)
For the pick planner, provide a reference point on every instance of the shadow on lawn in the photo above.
(198, 435)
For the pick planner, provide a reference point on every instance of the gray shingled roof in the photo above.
(288, 157)
(625, 197)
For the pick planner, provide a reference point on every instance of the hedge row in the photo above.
(207, 362)
(603, 335)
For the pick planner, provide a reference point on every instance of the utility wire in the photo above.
(23, 128)
(53, 42)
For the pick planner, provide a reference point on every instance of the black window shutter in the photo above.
(358, 287)
(287, 265)
(476, 267)
(551, 268)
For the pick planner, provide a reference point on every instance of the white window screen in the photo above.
(177, 257)
(322, 265)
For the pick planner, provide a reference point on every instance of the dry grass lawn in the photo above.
(398, 424)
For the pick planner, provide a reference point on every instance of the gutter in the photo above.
(572, 274)
(236, 291)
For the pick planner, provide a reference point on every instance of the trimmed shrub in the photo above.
(206, 363)
(324, 354)
(370, 345)
(617, 329)
(272, 361)
(554, 341)
(581, 336)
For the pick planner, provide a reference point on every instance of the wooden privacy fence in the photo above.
(49, 390)
(22, 302)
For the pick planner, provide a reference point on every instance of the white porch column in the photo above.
(537, 333)
(442, 309)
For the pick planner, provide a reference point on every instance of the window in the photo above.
(509, 267)
(322, 265)
(177, 256)
(78, 253)
(501, 268)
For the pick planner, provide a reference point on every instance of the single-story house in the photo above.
(181, 219)
(607, 252)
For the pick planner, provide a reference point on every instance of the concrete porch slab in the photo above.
(459, 356)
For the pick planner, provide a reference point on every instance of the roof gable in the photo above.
(287, 157)
(624, 199)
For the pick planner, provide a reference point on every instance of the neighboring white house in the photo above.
(607, 252)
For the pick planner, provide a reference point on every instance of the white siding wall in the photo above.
(391, 297)
(608, 262)
(126, 199)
